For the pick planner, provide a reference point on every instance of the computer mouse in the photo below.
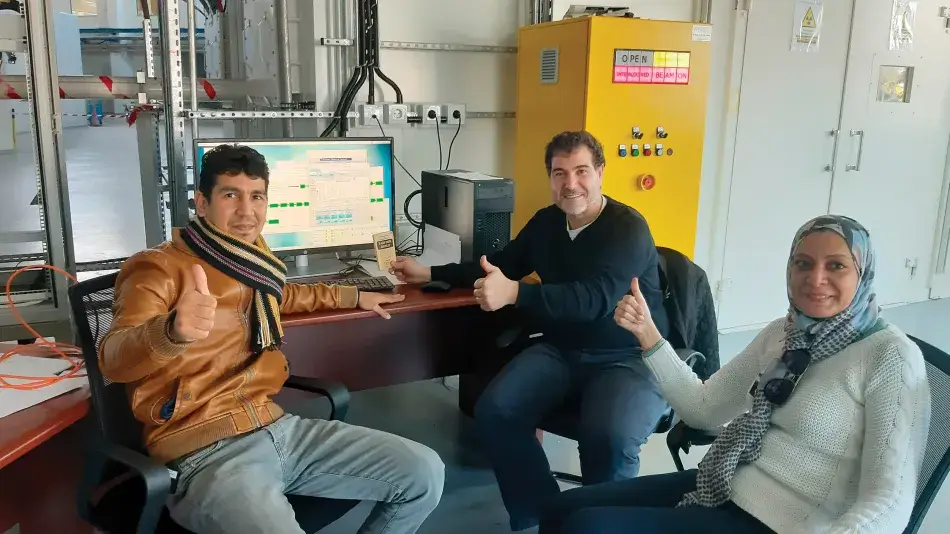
(436, 286)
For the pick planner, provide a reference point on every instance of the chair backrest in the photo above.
(936, 462)
(91, 302)
(685, 311)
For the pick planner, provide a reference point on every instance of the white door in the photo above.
(789, 104)
(895, 126)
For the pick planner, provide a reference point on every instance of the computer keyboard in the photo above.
(369, 283)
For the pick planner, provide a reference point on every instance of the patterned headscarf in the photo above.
(741, 441)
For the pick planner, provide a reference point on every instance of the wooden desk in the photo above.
(40, 465)
(429, 335)
(25, 430)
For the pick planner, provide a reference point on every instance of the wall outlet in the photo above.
(401, 219)
(367, 112)
(430, 114)
(448, 111)
(396, 113)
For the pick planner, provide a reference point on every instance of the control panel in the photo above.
(643, 96)
(633, 149)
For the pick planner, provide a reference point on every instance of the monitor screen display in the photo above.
(324, 194)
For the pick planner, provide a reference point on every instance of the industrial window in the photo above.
(894, 84)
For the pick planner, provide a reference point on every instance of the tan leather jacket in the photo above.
(189, 395)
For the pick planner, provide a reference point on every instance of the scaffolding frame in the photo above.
(46, 309)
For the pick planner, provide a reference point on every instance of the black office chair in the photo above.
(565, 421)
(122, 489)
(936, 463)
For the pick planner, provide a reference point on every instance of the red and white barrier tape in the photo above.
(109, 84)
(138, 109)
(86, 115)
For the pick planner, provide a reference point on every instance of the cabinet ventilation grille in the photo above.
(549, 60)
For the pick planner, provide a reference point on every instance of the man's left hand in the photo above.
(495, 290)
(374, 302)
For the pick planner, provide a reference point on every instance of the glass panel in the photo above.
(894, 83)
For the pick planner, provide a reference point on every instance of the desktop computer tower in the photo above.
(474, 206)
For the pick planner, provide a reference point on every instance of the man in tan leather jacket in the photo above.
(196, 337)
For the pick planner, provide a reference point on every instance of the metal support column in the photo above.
(233, 64)
(150, 168)
(703, 11)
(149, 145)
(169, 25)
(49, 154)
(534, 11)
(283, 62)
(193, 70)
(149, 48)
(542, 11)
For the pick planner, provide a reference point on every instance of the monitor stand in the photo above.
(304, 267)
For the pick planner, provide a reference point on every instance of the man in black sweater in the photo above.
(586, 248)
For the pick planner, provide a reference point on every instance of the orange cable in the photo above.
(58, 347)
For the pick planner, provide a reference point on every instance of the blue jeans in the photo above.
(237, 485)
(646, 505)
(619, 409)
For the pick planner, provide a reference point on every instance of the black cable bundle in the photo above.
(359, 74)
(367, 67)
(374, 18)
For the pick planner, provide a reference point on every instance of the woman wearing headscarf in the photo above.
(828, 411)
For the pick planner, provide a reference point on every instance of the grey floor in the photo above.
(103, 177)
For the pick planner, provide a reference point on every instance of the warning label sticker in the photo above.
(806, 26)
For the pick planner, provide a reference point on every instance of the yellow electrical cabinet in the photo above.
(640, 87)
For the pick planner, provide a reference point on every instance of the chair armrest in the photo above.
(335, 392)
(682, 437)
(695, 360)
(508, 337)
(156, 477)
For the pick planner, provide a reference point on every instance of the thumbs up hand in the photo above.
(633, 315)
(194, 312)
(495, 290)
(487, 267)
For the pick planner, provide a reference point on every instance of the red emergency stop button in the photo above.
(646, 182)
(647, 152)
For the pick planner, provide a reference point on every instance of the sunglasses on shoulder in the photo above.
(779, 381)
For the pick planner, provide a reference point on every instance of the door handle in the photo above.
(857, 164)
(834, 151)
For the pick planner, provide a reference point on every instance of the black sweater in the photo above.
(582, 280)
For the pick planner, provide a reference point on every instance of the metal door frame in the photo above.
(940, 277)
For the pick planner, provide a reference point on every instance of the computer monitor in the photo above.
(325, 195)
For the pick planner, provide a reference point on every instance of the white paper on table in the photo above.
(14, 400)
(441, 247)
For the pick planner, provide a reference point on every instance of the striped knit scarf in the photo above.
(252, 265)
